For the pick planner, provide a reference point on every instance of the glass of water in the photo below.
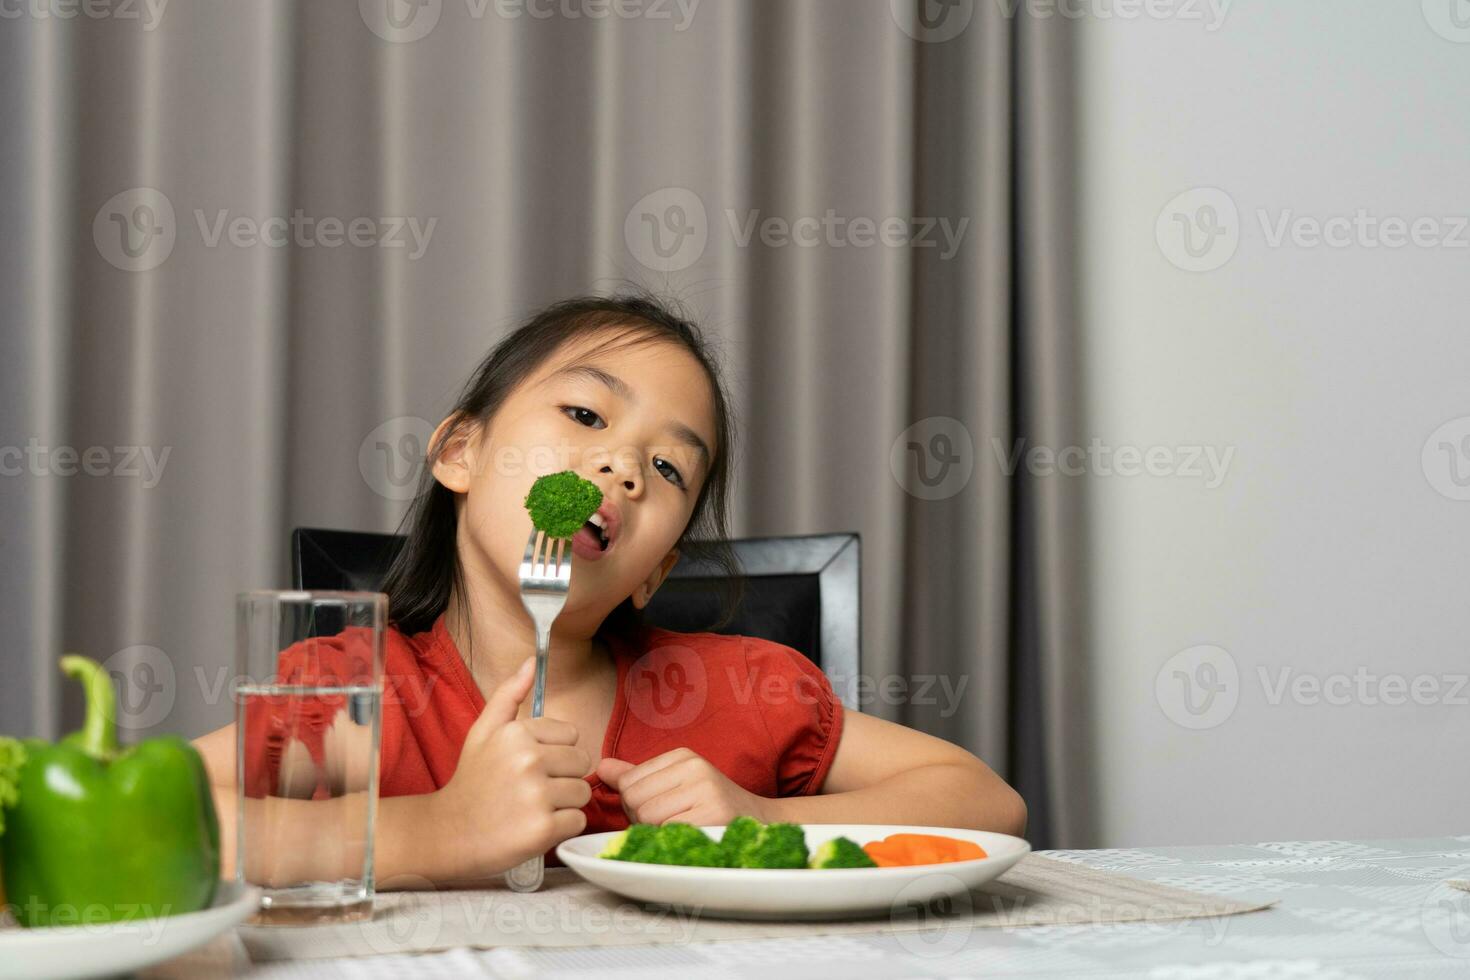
(308, 704)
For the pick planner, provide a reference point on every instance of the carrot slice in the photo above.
(902, 850)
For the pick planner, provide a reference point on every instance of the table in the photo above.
(1372, 908)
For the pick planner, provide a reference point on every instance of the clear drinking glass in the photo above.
(308, 707)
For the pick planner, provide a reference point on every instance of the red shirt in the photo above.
(761, 712)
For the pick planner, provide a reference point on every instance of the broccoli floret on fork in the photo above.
(560, 503)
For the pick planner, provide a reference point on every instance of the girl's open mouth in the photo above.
(590, 542)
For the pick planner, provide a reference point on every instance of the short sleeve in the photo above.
(802, 714)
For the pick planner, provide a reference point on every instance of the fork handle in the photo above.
(528, 875)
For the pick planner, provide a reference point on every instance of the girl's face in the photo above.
(636, 420)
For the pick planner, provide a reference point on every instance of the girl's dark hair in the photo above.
(427, 571)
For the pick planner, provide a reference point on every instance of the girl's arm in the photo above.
(882, 773)
(886, 773)
(401, 850)
(518, 790)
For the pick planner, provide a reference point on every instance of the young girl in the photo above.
(641, 724)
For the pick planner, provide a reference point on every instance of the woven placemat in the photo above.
(1038, 892)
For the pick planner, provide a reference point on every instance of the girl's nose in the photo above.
(628, 483)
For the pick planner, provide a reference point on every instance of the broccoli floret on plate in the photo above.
(673, 843)
(776, 845)
(682, 843)
(840, 852)
(639, 843)
(560, 503)
(747, 843)
(739, 834)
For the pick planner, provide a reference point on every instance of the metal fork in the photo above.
(545, 579)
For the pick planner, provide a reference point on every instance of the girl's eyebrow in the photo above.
(623, 390)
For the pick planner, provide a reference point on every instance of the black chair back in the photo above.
(803, 591)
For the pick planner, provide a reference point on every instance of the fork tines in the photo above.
(544, 557)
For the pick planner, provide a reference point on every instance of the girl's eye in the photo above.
(582, 416)
(671, 474)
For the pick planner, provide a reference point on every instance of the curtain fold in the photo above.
(868, 209)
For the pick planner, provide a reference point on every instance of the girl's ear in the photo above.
(454, 461)
(649, 586)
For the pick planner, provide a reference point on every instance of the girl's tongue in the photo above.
(587, 544)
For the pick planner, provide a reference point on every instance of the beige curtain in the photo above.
(251, 249)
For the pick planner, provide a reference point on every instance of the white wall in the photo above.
(1327, 549)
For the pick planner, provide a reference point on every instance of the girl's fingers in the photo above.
(640, 792)
(611, 771)
(666, 807)
(566, 760)
(568, 823)
(551, 731)
(644, 769)
(568, 793)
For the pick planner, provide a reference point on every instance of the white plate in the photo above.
(747, 893)
(121, 947)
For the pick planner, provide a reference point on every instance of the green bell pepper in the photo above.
(101, 833)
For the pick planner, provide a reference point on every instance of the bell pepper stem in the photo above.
(98, 734)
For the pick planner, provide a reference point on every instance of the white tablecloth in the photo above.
(1347, 909)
